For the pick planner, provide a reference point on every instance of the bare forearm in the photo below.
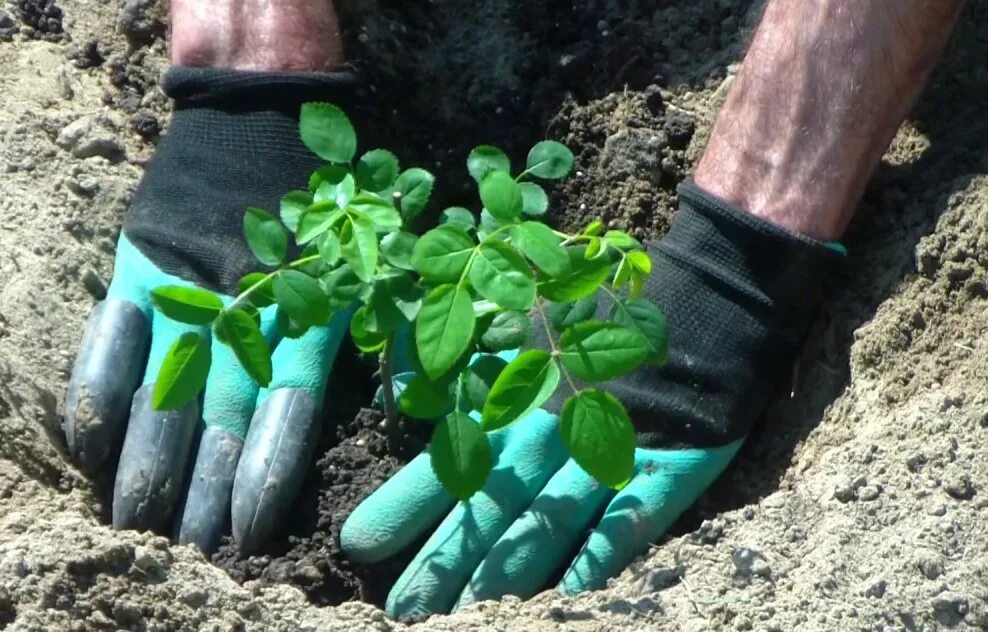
(820, 95)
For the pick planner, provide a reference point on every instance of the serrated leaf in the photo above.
(422, 399)
(327, 132)
(596, 351)
(599, 436)
(316, 220)
(327, 173)
(293, 204)
(191, 305)
(508, 330)
(260, 296)
(301, 297)
(549, 160)
(441, 254)
(524, 385)
(376, 170)
(460, 216)
(265, 236)
(542, 247)
(183, 372)
(501, 195)
(644, 317)
(397, 248)
(534, 201)
(461, 455)
(581, 280)
(243, 334)
(564, 315)
(444, 329)
(415, 186)
(486, 158)
(480, 377)
(340, 193)
(502, 275)
(380, 212)
(360, 249)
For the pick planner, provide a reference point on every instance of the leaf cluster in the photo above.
(466, 290)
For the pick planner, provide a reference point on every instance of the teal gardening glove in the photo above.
(233, 143)
(738, 294)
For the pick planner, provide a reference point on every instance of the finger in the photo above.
(539, 541)
(282, 433)
(157, 445)
(665, 484)
(530, 455)
(228, 404)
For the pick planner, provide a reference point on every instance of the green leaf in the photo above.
(293, 204)
(263, 294)
(444, 329)
(301, 297)
(329, 247)
(564, 315)
(363, 337)
(342, 286)
(479, 379)
(265, 236)
(461, 455)
(415, 187)
(397, 248)
(598, 434)
(191, 305)
(441, 254)
(376, 170)
(640, 261)
(460, 216)
(360, 249)
(595, 248)
(621, 240)
(594, 228)
(183, 373)
(488, 224)
(534, 201)
(340, 193)
(542, 246)
(508, 330)
(502, 275)
(327, 173)
(486, 158)
(239, 329)
(288, 327)
(643, 316)
(423, 399)
(327, 132)
(501, 195)
(596, 351)
(549, 160)
(623, 274)
(581, 280)
(380, 212)
(394, 301)
(315, 221)
(524, 385)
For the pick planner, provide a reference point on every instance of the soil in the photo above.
(860, 502)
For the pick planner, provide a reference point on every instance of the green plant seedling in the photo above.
(464, 289)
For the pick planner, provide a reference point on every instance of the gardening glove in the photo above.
(738, 294)
(233, 143)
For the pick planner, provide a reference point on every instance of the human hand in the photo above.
(738, 294)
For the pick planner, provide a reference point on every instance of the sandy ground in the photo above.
(861, 504)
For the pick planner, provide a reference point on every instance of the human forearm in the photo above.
(820, 95)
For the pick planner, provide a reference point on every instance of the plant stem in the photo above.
(554, 346)
(390, 406)
(242, 297)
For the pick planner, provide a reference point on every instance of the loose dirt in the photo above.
(860, 502)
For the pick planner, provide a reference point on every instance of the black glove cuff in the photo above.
(233, 142)
(738, 294)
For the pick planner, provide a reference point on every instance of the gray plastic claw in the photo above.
(107, 370)
(152, 463)
(272, 467)
(207, 507)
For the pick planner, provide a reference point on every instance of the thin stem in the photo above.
(390, 405)
(246, 293)
(554, 346)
